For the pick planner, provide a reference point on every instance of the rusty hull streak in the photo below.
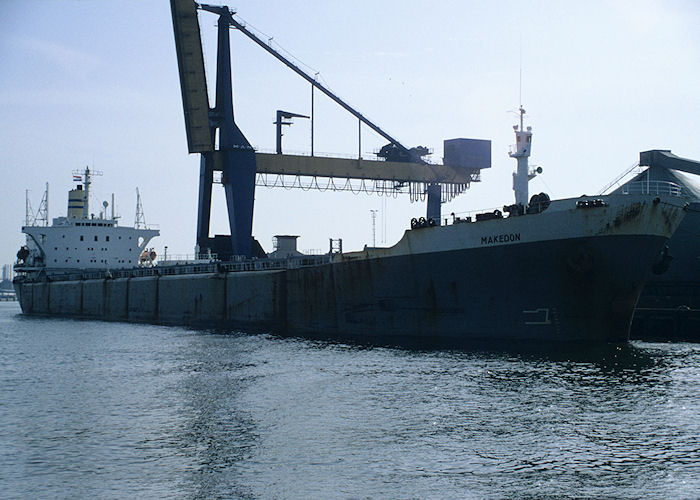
(628, 214)
(670, 215)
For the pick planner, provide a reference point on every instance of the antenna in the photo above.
(139, 220)
(27, 208)
(42, 215)
(520, 86)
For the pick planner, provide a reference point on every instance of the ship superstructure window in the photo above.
(82, 238)
(106, 238)
(95, 238)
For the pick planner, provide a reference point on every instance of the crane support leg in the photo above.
(434, 200)
(239, 184)
(206, 178)
(234, 157)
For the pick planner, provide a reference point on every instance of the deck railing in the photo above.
(653, 187)
(188, 268)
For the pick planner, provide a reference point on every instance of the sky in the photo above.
(96, 83)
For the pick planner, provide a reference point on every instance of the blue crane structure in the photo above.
(213, 132)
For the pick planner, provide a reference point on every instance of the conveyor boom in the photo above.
(195, 100)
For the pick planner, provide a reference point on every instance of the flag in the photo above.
(77, 178)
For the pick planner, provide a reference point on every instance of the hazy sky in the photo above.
(96, 83)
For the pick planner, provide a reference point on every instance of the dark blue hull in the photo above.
(566, 290)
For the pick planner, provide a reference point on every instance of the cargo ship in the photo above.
(538, 270)
(549, 270)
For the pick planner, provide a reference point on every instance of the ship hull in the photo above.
(570, 290)
(530, 278)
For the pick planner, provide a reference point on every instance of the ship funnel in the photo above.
(76, 202)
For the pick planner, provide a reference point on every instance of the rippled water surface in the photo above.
(113, 410)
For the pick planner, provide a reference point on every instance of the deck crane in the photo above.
(236, 159)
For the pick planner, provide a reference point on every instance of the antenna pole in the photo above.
(26, 207)
(139, 220)
(520, 86)
(86, 207)
(47, 205)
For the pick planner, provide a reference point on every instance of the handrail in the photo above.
(653, 187)
(212, 267)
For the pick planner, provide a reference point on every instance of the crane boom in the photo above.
(195, 101)
(241, 27)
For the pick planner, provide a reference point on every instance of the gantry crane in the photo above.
(238, 162)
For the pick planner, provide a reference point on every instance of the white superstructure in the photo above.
(81, 240)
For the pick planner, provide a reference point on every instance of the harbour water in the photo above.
(113, 410)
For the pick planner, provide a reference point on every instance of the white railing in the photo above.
(653, 187)
(171, 259)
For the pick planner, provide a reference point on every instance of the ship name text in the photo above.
(500, 238)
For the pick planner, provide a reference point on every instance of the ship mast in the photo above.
(87, 180)
(521, 152)
(139, 219)
(86, 184)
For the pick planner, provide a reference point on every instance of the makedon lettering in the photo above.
(500, 238)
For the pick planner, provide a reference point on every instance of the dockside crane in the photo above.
(213, 132)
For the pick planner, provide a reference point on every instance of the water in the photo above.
(112, 410)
